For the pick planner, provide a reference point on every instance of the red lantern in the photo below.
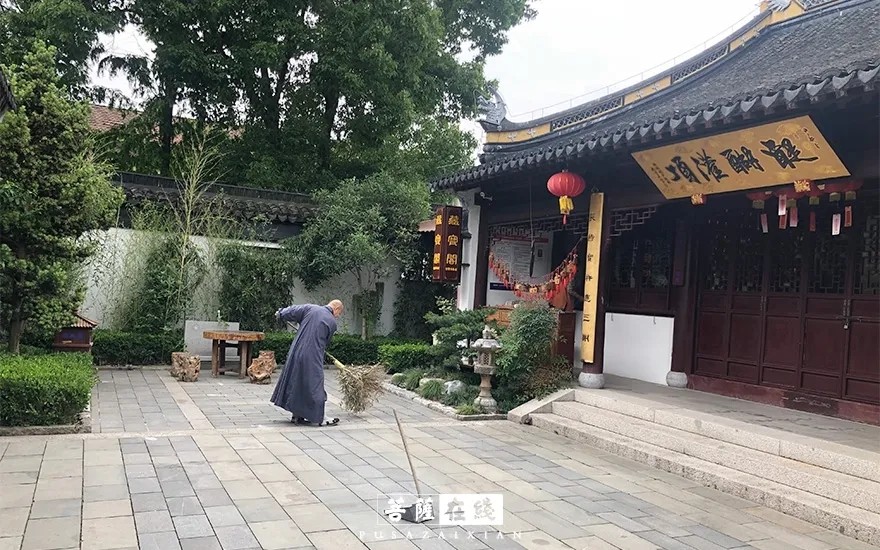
(566, 185)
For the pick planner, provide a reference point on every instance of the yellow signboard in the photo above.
(763, 156)
(591, 276)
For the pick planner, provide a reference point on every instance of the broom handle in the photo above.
(408, 457)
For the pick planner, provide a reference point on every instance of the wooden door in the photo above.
(793, 309)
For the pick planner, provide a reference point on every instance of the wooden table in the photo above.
(219, 339)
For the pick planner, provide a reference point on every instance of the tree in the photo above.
(70, 26)
(360, 226)
(53, 193)
(309, 82)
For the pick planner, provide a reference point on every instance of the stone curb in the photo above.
(439, 407)
(523, 413)
(84, 426)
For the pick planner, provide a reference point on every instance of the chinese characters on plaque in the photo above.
(591, 276)
(446, 260)
(763, 156)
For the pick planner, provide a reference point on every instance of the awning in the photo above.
(427, 226)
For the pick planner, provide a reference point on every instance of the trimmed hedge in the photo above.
(402, 357)
(348, 348)
(44, 390)
(114, 347)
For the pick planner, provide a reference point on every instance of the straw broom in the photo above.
(361, 384)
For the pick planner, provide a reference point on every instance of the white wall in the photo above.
(465, 297)
(638, 346)
(105, 274)
(543, 253)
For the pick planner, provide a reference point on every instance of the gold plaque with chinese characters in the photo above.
(591, 276)
(446, 260)
(763, 156)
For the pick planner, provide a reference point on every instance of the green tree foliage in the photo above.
(52, 194)
(320, 90)
(360, 226)
(253, 281)
(70, 26)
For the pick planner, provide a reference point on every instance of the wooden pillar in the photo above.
(684, 295)
(481, 277)
(598, 244)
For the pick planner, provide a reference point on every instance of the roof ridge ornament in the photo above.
(493, 110)
(779, 5)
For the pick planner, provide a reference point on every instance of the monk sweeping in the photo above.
(300, 390)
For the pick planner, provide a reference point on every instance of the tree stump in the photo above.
(261, 369)
(191, 369)
(178, 360)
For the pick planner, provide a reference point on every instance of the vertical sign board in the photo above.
(446, 262)
(591, 276)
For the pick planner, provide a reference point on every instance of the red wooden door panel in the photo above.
(862, 375)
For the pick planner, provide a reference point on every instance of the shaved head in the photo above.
(337, 307)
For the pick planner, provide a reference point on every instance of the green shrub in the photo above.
(450, 328)
(412, 378)
(433, 390)
(112, 347)
(398, 379)
(279, 342)
(464, 396)
(351, 350)
(402, 357)
(468, 410)
(44, 390)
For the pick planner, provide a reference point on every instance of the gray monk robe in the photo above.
(300, 390)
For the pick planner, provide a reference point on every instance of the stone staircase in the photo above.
(834, 485)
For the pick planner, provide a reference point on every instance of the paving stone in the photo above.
(184, 506)
(243, 490)
(10, 543)
(277, 535)
(148, 502)
(715, 537)
(200, 543)
(224, 516)
(236, 537)
(159, 541)
(261, 509)
(109, 533)
(144, 485)
(213, 497)
(56, 508)
(336, 540)
(16, 496)
(177, 489)
(13, 521)
(44, 534)
(314, 517)
(153, 522)
(189, 527)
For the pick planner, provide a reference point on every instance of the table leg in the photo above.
(223, 356)
(244, 353)
(215, 358)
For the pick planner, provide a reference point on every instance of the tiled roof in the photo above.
(247, 202)
(82, 322)
(103, 118)
(817, 56)
(7, 101)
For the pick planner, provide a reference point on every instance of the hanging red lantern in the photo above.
(566, 185)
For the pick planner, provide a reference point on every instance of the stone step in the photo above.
(843, 518)
(824, 454)
(836, 486)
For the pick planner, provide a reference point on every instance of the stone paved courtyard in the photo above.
(212, 465)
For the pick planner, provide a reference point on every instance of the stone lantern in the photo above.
(485, 366)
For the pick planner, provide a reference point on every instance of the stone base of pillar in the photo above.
(488, 404)
(593, 381)
(676, 379)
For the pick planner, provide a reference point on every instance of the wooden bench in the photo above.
(219, 339)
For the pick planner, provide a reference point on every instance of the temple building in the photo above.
(724, 229)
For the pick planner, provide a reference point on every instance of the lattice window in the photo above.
(700, 63)
(810, 4)
(625, 220)
(625, 254)
(656, 256)
(828, 272)
(587, 113)
(786, 261)
(718, 258)
(749, 265)
(867, 276)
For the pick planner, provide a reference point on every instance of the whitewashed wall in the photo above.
(638, 346)
(105, 271)
(469, 252)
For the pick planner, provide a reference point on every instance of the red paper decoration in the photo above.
(552, 284)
